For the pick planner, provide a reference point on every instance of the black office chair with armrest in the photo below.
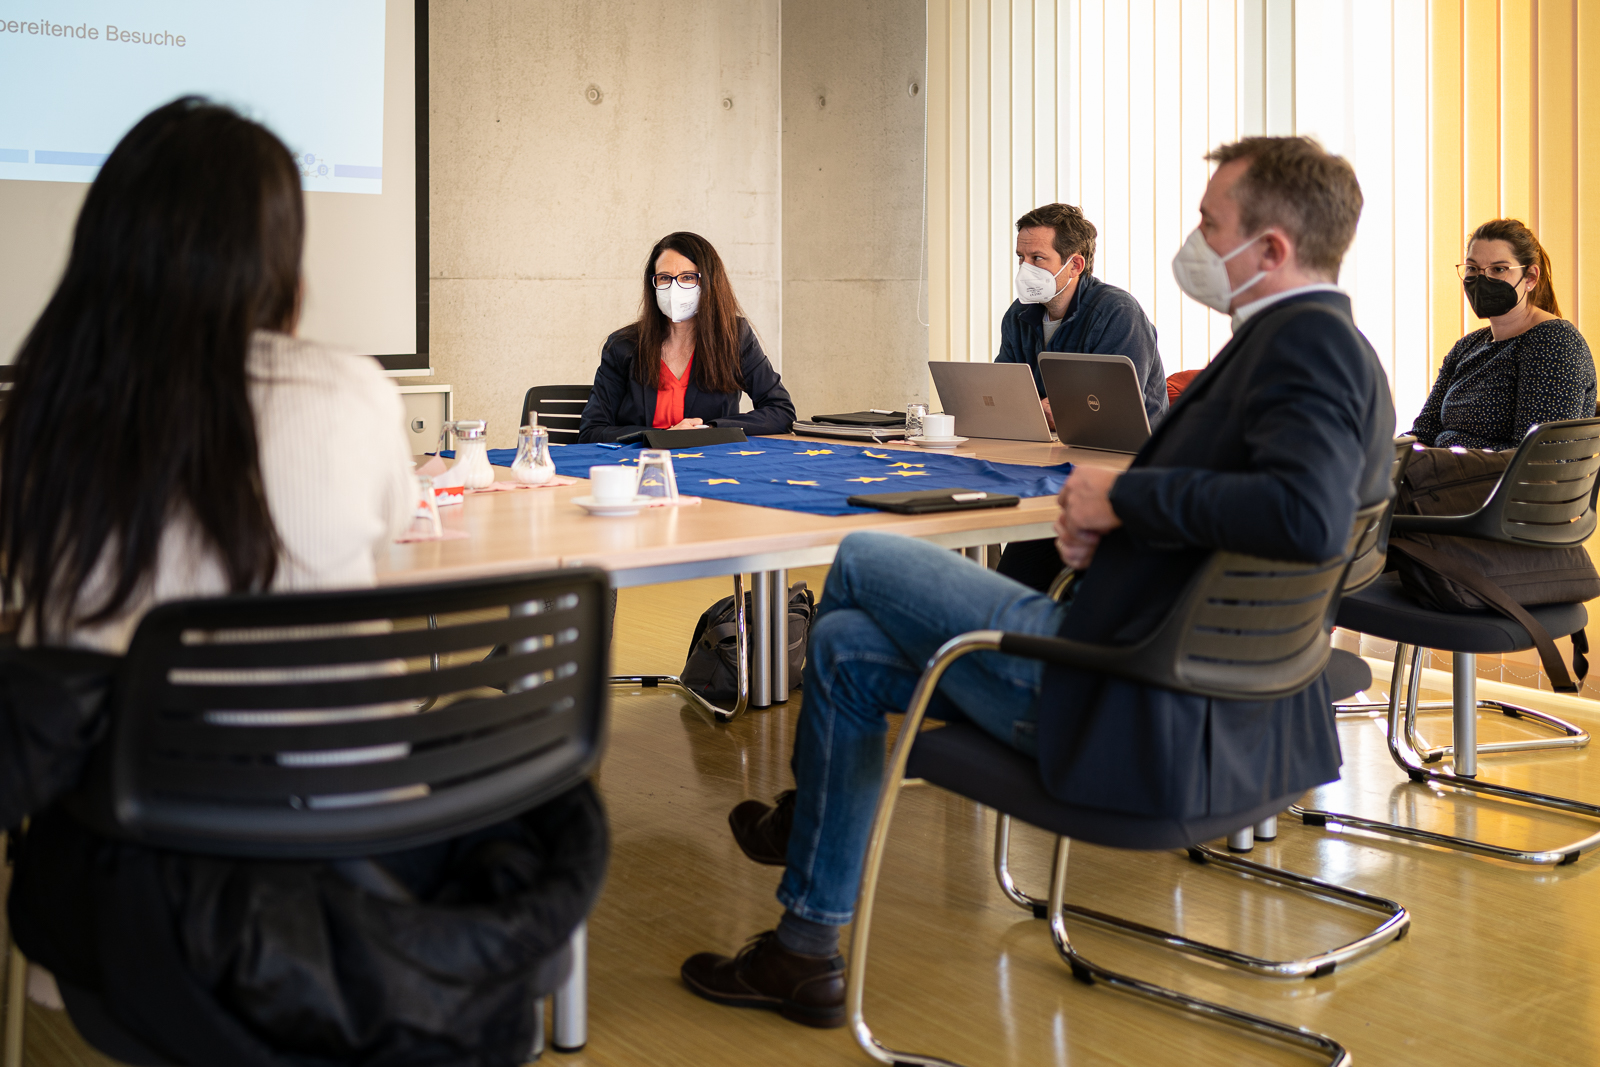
(283, 727)
(1245, 629)
(1370, 526)
(1545, 498)
(1362, 574)
(560, 409)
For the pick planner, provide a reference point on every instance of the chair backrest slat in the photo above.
(1250, 628)
(560, 409)
(1371, 553)
(1547, 495)
(353, 723)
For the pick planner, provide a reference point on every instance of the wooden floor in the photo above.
(1500, 967)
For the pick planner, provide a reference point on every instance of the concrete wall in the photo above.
(852, 203)
(805, 171)
(544, 205)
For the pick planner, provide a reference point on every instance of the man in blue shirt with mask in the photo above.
(1062, 307)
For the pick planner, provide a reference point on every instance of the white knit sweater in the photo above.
(336, 466)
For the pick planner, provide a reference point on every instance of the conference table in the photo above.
(540, 529)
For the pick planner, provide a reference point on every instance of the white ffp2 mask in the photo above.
(1035, 285)
(677, 303)
(1203, 275)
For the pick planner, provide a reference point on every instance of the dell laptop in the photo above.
(995, 400)
(1096, 401)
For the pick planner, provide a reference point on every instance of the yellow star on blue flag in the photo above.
(747, 453)
(816, 452)
(908, 464)
(874, 455)
(866, 479)
(722, 481)
(912, 474)
(793, 482)
(688, 455)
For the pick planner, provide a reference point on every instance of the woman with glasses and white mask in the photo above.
(684, 363)
(1528, 366)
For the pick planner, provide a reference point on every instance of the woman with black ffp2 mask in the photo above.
(1529, 365)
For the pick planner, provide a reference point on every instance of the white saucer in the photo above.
(937, 442)
(625, 507)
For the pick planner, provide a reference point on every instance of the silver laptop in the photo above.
(1096, 401)
(996, 400)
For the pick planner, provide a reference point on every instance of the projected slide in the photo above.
(77, 74)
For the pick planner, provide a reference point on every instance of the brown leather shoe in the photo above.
(762, 830)
(803, 989)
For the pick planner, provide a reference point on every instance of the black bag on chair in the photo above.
(712, 669)
(1464, 574)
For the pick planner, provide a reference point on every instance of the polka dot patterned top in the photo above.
(1489, 392)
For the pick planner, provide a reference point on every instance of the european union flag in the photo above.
(815, 478)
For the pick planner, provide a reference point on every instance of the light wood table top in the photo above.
(539, 529)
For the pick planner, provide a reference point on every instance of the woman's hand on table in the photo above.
(690, 424)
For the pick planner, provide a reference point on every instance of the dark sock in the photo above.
(806, 937)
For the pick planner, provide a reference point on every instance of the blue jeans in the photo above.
(890, 602)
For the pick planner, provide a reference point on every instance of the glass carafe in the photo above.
(472, 451)
(533, 465)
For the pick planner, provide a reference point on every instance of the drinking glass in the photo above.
(914, 413)
(425, 523)
(655, 474)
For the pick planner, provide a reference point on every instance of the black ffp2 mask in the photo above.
(1490, 297)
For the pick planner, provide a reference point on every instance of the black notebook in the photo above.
(883, 419)
(925, 501)
(699, 438)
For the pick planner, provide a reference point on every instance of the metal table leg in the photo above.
(570, 1026)
(781, 685)
(672, 681)
(761, 641)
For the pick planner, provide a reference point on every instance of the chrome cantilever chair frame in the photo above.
(673, 681)
(1081, 968)
(1396, 920)
(1412, 761)
(1243, 629)
(1370, 530)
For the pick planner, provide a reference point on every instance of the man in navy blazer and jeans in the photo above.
(1270, 452)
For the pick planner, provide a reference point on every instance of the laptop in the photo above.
(1096, 401)
(995, 400)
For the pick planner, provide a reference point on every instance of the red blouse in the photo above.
(669, 398)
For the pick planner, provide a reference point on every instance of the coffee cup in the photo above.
(937, 426)
(613, 484)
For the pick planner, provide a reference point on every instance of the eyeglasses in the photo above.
(1498, 272)
(687, 280)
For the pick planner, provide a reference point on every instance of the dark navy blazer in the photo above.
(620, 405)
(1270, 451)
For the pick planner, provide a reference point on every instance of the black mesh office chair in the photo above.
(1545, 498)
(560, 409)
(1245, 629)
(287, 727)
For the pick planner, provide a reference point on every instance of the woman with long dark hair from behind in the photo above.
(1527, 366)
(168, 437)
(683, 364)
